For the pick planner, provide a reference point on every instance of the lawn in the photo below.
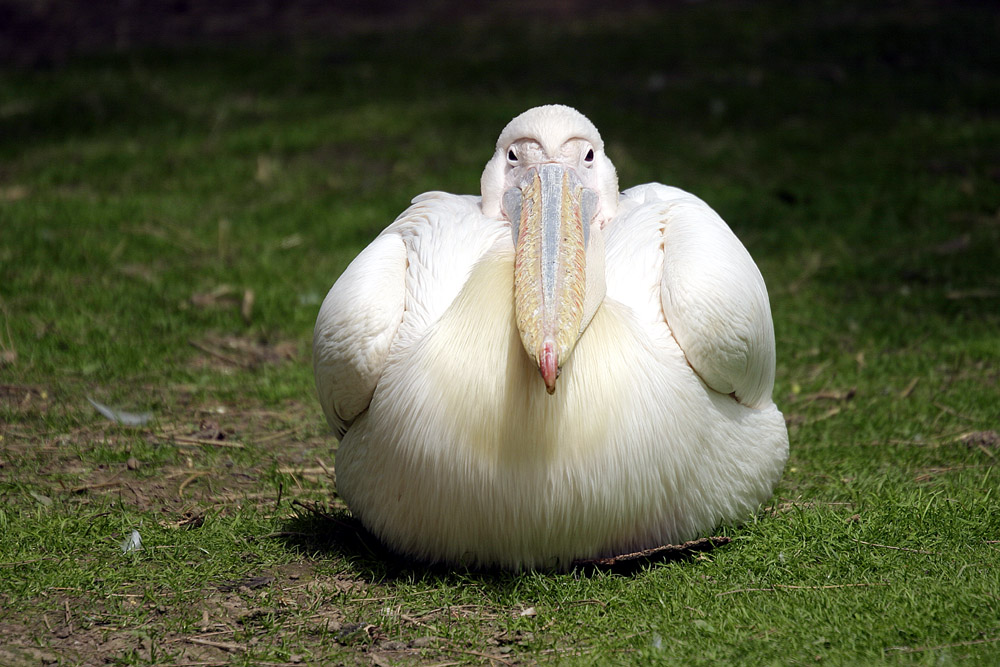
(171, 218)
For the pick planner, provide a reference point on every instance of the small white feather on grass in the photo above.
(121, 417)
(132, 543)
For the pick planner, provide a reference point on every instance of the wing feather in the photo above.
(712, 295)
(390, 295)
(355, 329)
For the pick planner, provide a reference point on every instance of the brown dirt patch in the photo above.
(229, 352)
(191, 464)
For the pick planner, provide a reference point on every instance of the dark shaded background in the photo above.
(40, 33)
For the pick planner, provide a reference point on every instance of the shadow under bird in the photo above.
(552, 371)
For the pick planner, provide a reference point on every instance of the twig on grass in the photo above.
(661, 553)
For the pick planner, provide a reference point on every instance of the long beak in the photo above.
(552, 212)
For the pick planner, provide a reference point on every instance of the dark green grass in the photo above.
(853, 149)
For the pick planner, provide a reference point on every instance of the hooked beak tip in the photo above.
(548, 365)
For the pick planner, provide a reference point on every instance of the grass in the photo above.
(170, 220)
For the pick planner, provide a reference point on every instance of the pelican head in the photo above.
(551, 179)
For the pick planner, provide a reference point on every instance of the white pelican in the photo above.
(644, 305)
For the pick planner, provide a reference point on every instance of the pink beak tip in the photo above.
(548, 365)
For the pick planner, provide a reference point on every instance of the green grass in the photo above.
(144, 195)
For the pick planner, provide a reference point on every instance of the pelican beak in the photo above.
(550, 213)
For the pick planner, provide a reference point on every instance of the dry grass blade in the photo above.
(293, 470)
(217, 354)
(777, 587)
(248, 582)
(480, 654)
(92, 487)
(188, 440)
(832, 412)
(246, 307)
(921, 649)
(225, 646)
(887, 546)
(953, 412)
(956, 295)
(192, 477)
(277, 435)
(828, 395)
(19, 563)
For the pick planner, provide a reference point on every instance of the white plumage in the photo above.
(454, 449)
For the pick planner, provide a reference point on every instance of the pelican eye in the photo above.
(589, 157)
(511, 156)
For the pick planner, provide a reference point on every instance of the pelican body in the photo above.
(552, 371)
